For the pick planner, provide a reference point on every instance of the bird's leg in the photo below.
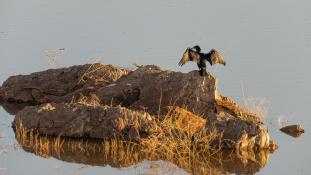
(203, 67)
(204, 73)
(201, 71)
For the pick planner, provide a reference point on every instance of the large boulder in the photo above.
(101, 122)
(148, 88)
(151, 89)
(85, 121)
(55, 83)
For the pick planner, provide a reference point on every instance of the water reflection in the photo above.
(123, 155)
(120, 154)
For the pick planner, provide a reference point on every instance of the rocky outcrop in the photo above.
(102, 101)
(83, 121)
(148, 88)
(52, 84)
(86, 121)
(151, 89)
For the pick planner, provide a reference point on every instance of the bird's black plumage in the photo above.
(195, 54)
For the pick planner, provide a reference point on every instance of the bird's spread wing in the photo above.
(217, 58)
(189, 55)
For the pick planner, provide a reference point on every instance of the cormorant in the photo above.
(194, 54)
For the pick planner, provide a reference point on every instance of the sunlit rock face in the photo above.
(103, 101)
(152, 89)
(55, 83)
(83, 121)
(147, 88)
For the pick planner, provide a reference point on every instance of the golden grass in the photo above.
(93, 100)
(100, 73)
(248, 110)
(46, 107)
(42, 146)
(175, 145)
(177, 139)
(256, 106)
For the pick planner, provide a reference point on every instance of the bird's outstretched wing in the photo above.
(189, 55)
(217, 58)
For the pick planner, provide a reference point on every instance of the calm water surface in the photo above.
(267, 45)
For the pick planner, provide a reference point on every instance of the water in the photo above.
(267, 46)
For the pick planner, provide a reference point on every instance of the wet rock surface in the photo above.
(120, 103)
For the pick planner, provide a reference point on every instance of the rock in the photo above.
(12, 108)
(152, 89)
(79, 96)
(56, 83)
(85, 121)
(189, 120)
(293, 130)
(82, 121)
(238, 133)
(147, 88)
(227, 105)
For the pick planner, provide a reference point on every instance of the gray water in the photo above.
(267, 46)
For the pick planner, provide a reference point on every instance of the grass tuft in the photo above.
(256, 106)
(100, 73)
(93, 100)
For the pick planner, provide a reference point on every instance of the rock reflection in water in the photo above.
(122, 155)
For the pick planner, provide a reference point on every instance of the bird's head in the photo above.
(197, 48)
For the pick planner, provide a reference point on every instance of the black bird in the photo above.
(194, 54)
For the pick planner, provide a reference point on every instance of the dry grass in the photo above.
(180, 140)
(176, 146)
(249, 110)
(177, 139)
(46, 107)
(100, 73)
(42, 146)
(93, 100)
(256, 106)
(53, 54)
